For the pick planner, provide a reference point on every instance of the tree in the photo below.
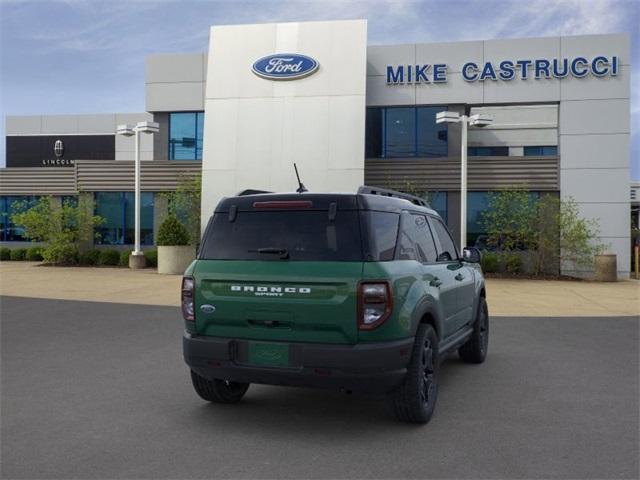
(184, 203)
(508, 219)
(61, 227)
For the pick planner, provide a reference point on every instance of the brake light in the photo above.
(284, 204)
(187, 299)
(375, 302)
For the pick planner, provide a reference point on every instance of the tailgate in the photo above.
(292, 301)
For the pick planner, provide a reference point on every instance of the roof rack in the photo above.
(251, 191)
(392, 193)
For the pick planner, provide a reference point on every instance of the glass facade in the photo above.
(117, 209)
(541, 151)
(405, 132)
(438, 202)
(488, 151)
(477, 203)
(10, 232)
(185, 135)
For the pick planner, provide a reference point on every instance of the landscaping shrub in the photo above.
(513, 263)
(34, 254)
(124, 258)
(172, 232)
(60, 254)
(90, 257)
(5, 253)
(18, 254)
(490, 262)
(152, 258)
(109, 257)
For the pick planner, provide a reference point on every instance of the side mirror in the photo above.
(471, 255)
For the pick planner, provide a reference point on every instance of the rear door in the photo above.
(282, 275)
(459, 277)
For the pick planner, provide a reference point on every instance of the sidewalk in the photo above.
(531, 298)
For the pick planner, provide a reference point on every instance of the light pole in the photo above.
(136, 259)
(477, 120)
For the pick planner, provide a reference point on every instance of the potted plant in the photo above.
(174, 252)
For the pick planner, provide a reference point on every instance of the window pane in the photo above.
(109, 206)
(182, 136)
(400, 130)
(146, 218)
(432, 137)
(477, 202)
(373, 133)
(438, 202)
(9, 206)
(199, 135)
(488, 151)
(384, 231)
(541, 151)
(448, 248)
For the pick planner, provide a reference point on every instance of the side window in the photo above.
(416, 242)
(384, 232)
(448, 250)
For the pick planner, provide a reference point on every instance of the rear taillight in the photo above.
(375, 303)
(187, 299)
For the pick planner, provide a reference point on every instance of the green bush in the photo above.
(172, 232)
(5, 253)
(152, 258)
(34, 254)
(109, 257)
(18, 254)
(60, 254)
(124, 258)
(490, 262)
(513, 263)
(90, 257)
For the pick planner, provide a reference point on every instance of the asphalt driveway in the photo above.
(99, 390)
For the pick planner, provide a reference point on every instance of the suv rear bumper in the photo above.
(368, 367)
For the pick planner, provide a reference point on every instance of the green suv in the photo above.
(359, 292)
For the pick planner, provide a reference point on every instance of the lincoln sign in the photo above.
(506, 70)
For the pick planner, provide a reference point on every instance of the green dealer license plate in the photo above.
(269, 354)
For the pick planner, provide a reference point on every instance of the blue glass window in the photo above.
(488, 151)
(541, 151)
(185, 135)
(405, 132)
(9, 231)
(438, 202)
(117, 209)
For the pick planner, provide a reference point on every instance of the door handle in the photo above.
(435, 282)
(459, 277)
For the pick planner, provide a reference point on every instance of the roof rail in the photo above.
(392, 193)
(250, 191)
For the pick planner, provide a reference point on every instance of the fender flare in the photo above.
(427, 307)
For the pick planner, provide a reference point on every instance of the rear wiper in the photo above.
(283, 252)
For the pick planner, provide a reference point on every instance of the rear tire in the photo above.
(475, 350)
(218, 391)
(415, 399)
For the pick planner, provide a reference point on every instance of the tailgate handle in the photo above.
(269, 324)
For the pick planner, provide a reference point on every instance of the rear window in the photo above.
(303, 235)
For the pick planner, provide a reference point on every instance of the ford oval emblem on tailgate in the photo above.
(285, 66)
(207, 308)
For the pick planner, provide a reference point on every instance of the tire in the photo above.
(218, 391)
(475, 350)
(414, 401)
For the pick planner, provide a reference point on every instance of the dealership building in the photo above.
(267, 95)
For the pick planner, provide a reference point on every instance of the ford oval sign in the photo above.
(285, 66)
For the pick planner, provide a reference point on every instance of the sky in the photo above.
(88, 56)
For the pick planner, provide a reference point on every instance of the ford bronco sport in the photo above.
(359, 292)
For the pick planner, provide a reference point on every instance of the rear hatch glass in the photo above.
(301, 235)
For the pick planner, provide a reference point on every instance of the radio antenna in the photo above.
(301, 187)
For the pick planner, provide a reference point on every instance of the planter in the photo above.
(174, 260)
(606, 268)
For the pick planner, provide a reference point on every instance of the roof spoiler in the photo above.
(365, 189)
(251, 191)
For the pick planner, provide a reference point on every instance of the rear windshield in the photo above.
(279, 235)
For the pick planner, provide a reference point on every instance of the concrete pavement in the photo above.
(120, 285)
